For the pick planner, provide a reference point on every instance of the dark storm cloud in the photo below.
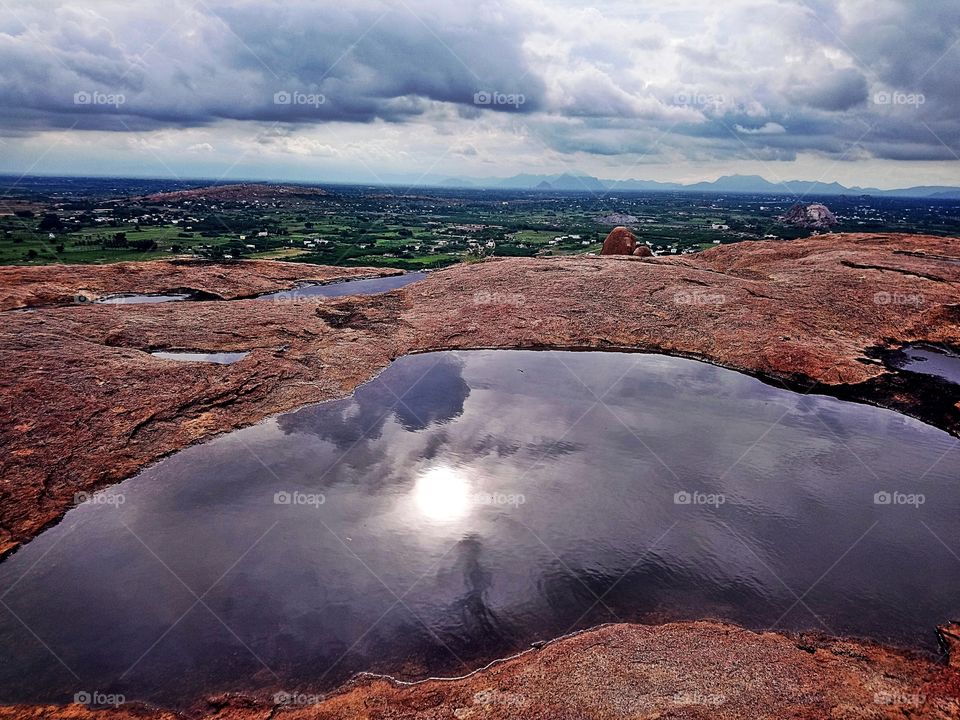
(841, 91)
(745, 79)
(284, 62)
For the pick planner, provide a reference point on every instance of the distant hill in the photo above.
(235, 192)
(753, 184)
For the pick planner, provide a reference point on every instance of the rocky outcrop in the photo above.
(694, 670)
(620, 241)
(812, 217)
(42, 285)
(85, 405)
(949, 636)
(643, 251)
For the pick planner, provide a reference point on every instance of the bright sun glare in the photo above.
(442, 493)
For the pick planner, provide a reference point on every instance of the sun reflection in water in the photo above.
(442, 494)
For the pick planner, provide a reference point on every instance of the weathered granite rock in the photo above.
(83, 404)
(949, 636)
(814, 217)
(694, 670)
(620, 241)
(43, 285)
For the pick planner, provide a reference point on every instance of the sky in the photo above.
(863, 92)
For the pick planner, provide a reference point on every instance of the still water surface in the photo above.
(370, 286)
(464, 504)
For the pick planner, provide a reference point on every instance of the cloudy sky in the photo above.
(860, 91)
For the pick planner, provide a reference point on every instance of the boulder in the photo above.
(643, 251)
(620, 241)
(815, 217)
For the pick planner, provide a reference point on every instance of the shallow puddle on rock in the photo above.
(370, 286)
(140, 299)
(464, 504)
(221, 358)
(927, 360)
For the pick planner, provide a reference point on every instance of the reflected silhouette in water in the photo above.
(488, 509)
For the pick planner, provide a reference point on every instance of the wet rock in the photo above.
(82, 406)
(620, 672)
(620, 241)
(45, 285)
(949, 636)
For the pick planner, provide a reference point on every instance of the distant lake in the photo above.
(464, 504)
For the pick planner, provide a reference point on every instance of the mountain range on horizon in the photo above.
(569, 182)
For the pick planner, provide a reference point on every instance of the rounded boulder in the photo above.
(620, 241)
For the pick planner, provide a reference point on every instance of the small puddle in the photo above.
(223, 358)
(927, 360)
(140, 299)
(370, 286)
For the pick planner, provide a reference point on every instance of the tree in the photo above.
(51, 221)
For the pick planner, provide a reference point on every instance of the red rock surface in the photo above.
(694, 670)
(39, 285)
(643, 251)
(620, 241)
(85, 405)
